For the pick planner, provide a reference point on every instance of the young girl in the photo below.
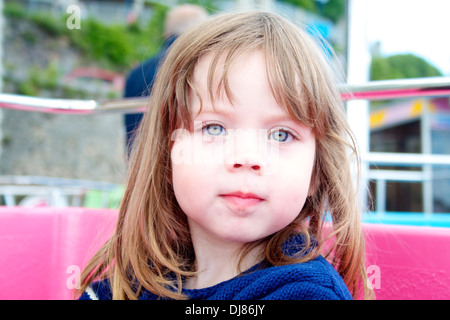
(242, 155)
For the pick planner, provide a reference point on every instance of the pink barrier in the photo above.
(43, 249)
(412, 262)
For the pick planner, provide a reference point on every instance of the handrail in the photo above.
(396, 89)
(69, 106)
(51, 191)
(374, 90)
(406, 159)
(57, 182)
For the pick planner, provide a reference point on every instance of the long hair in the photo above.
(151, 247)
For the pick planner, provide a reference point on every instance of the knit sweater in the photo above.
(312, 280)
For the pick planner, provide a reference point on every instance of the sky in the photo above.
(421, 27)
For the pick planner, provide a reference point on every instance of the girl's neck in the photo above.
(218, 261)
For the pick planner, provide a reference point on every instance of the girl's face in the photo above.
(244, 171)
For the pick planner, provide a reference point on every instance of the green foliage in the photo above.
(309, 5)
(54, 26)
(209, 5)
(14, 10)
(40, 78)
(401, 66)
(116, 47)
(333, 9)
(101, 42)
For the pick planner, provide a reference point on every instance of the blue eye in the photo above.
(214, 129)
(280, 136)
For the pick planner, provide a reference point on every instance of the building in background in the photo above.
(411, 127)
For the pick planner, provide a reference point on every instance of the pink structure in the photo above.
(117, 80)
(42, 251)
(412, 262)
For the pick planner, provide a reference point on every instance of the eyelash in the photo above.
(292, 134)
(288, 131)
(206, 125)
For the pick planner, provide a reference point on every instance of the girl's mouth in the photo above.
(241, 201)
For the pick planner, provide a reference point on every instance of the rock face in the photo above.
(87, 147)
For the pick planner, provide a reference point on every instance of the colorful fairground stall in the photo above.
(414, 127)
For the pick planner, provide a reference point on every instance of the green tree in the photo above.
(401, 66)
(331, 9)
(334, 10)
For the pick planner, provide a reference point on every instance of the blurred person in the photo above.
(140, 80)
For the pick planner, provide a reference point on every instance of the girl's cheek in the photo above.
(196, 149)
(181, 153)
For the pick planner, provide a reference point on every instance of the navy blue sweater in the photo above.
(313, 280)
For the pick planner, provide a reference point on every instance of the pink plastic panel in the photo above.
(412, 262)
(42, 249)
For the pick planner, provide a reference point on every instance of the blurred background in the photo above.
(80, 160)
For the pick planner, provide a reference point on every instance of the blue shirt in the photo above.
(312, 280)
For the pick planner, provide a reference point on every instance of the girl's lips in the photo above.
(241, 201)
(243, 195)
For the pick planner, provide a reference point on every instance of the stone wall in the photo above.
(88, 147)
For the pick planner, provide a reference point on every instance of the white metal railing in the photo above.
(396, 89)
(69, 106)
(375, 90)
(57, 192)
(378, 90)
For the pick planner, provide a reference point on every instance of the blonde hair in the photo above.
(151, 247)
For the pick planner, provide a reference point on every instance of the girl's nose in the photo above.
(245, 152)
(255, 167)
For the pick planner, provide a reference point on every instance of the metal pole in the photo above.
(425, 137)
(1, 72)
(358, 61)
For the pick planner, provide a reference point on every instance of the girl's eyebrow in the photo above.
(278, 117)
(215, 112)
(284, 118)
(296, 125)
(271, 120)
